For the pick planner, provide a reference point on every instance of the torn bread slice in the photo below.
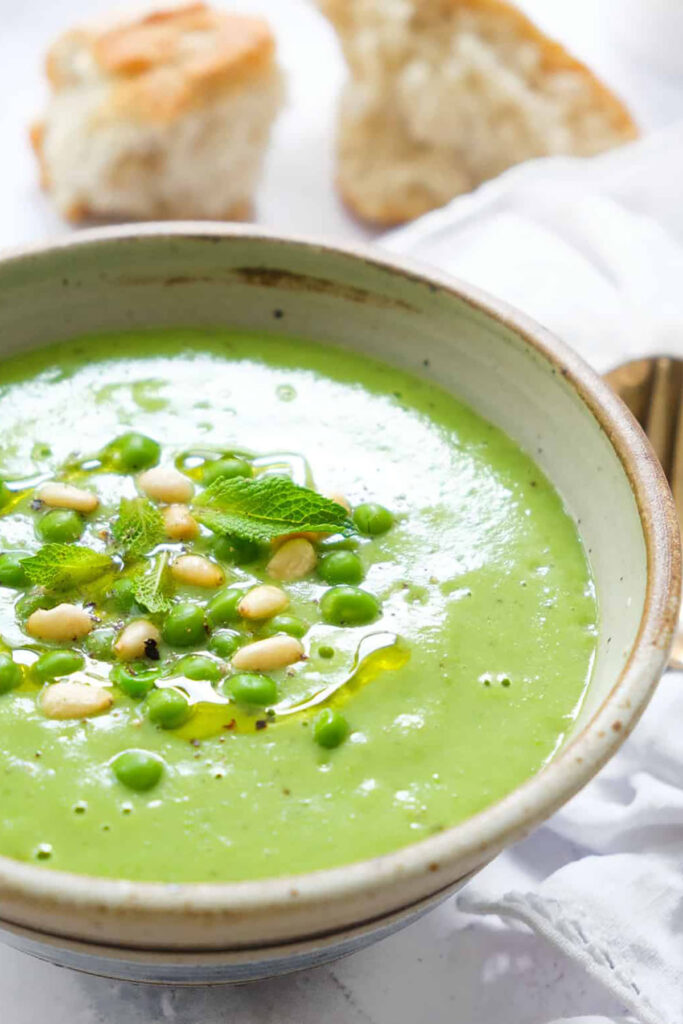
(164, 116)
(445, 94)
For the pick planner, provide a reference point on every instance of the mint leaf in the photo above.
(65, 566)
(152, 587)
(267, 507)
(138, 526)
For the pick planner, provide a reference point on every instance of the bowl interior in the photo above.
(281, 287)
(511, 372)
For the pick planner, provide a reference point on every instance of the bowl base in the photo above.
(211, 967)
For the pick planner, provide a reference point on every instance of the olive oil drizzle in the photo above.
(215, 713)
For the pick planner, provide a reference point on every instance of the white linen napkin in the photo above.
(594, 250)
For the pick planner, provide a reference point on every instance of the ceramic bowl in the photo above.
(512, 372)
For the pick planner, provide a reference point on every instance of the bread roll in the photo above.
(445, 94)
(165, 116)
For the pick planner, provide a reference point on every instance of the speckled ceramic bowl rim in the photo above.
(478, 838)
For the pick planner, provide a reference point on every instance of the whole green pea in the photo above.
(100, 643)
(225, 469)
(224, 642)
(222, 607)
(30, 603)
(349, 606)
(135, 679)
(335, 543)
(289, 624)
(197, 666)
(252, 688)
(168, 708)
(138, 769)
(132, 452)
(235, 550)
(330, 729)
(12, 572)
(122, 594)
(372, 519)
(5, 494)
(184, 625)
(53, 664)
(10, 673)
(341, 567)
(60, 526)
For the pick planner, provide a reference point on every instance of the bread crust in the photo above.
(554, 57)
(157, 75)
(389, 209)
(81, 213)
(37, 138)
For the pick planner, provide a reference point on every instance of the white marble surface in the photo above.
(445, 968)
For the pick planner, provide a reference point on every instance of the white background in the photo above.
(446, 968)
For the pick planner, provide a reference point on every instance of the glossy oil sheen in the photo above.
(483, 577)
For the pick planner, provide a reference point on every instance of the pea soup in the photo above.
(267, 607)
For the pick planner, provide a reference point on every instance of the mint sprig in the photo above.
(138, 527)
(65, 566)
(267, 507)
(152, 586)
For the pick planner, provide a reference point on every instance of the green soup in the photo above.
(452, 678)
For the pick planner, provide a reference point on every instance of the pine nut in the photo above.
(179, 524)
(293, 560)
(310, 535)
(65, 622)
(66, 496)
(164, 483)
(135, 638)
(339, 499)
(262, 602)
(263, 655)
(74, 699)
(197, 571)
